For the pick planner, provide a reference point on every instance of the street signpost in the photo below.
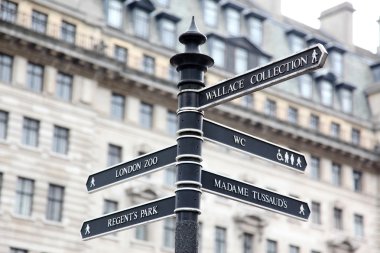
(253, 146)
(193, 97)
(128, 218)
(262, 77)
(140, 166)
(252, 195)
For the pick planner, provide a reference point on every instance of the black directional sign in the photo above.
(255, 196)
(254, 146)
(265, 76)
(128, 218)
(128, 170)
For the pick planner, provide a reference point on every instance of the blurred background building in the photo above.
(88, 84)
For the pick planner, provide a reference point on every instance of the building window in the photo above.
(315, 168)
(8, 11)
(297, 43)
(30, 132)
(171, 123)
(220, 240)
(114, 13)
(358, 178)
(117, 106)
(355, 136)
(336, 63)
(336, 171)
(326, 93)
(3, 125)
(114, 154)
(173, 74)
(146, 115)
(359, 225)
(200, 232)
(270, 108)
(141, 23)
(316, 212)
(17, 250)
(305, 85)
(217, 52)
(24, 196)
(169, 233)
(247, 243)
(233, 21)
(346, 100)
(121, 54)
(210, 12)
(64, 86)
(68, 32)
(141, 232)
(149, 65)
(271, 246)
(168, 34)
(55, 202)
(109, 206)
(61, 140)
(255, 27)
(6, 63)
(170, 176)
(335, 130)
(247, 101)
(241, 60)
(314, 122)
(338, 218)
(294, 249)
(39, 21)
(35, 77)
(292, 115)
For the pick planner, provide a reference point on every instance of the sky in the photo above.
(366, 28)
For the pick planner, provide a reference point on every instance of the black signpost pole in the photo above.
(191, 65)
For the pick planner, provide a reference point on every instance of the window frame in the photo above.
(11, 11)
(146, 115)
(169, 233)
(113, 20)
(117, 106)
(336, 174)
(30, 128)
(35, 77)
(6, 68)
(316, 213)
(141, 23)
(39, 21)
(61, 140)
(68, 32)
(241, 57)
(64, 87)
(168, 29)
(149, 64)
(4, 121)
(338, 218)
(210, 9)
(233, 21)
(114, 153)
(326, 90)
(52, 201)
(24, 195)
(220, 239)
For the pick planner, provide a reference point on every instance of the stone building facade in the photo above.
(88, 84)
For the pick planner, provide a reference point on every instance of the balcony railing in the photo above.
(68, 35)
